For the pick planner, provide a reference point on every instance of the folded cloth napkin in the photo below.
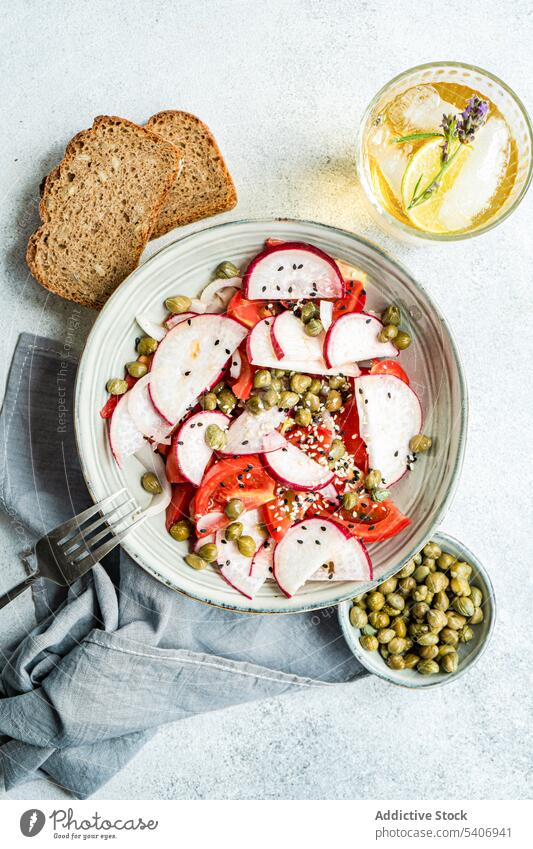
(118, 654)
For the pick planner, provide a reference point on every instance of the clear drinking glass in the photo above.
(415, 101)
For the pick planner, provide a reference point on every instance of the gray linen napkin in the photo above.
(119, 654)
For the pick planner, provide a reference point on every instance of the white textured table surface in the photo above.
(282, 85)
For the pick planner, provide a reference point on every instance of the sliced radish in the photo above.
(292, 271)
(296, 469)
(151, 328)
(261, 353)
(175, 319)
(236, 365)
(290, 340)
(154, 463)
(235, 568)
(354, 337)
(255, 434)
(217, 295)
(309, 544)
(390, 414)
(354, 566)
(263, 560)
(125, 437)
(143, 412)
(188, 361)
(329, 493)
(210, 523)
(326, 314)
(191, 451)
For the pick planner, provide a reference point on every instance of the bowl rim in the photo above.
(463, 417)
(428, 682)
(406, 229)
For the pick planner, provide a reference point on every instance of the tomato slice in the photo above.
(389, 367)
(369, 521)
(179, 506)
(238, 477)
(314, 440)
(245, 381)
(353, 301)
(107, 410)
(287, 508)
(247, 312)
(348, 422)
(172, 469)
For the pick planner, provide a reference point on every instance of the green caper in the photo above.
(209, 401)
(402, 340)
(460, 587)
(476, 595)
(420, 574)
(288, 400)
(432, 549)
(234, 531)
(417, 628)
(399, 627)
(397, 645)
(391, 315)
(436, 582)
(226, 401)
(420, 610)
(303, 417)
(417, 559)
(455, 620)
(373, 479)
(226, 270)
(465, 634)
(269, 398)
(276, 383)
(254, 405)
(387, 333)
(437, 620)
(150, 483)
(410, 660)
(337, 449)
(208, 552)
(427, 667)
(407, 570)
(315, 386)
(441, 601)
(379, 619)
(247, 546)
(445, 560)
(349, 500)
(420, 443)
(195, 562)
(215, 437)
(308, 312)
(477, 616)
(336, 382)
(396, 661)
(146, 345)
(333, 401)
(180, 530)
(369, 643)
(286, 424)
(385, 635)
(384, 652)
(446, 649)
(461, 570)
(450, 662)
(262, 379)
(396, 601)
(136, 369)
(464, 606)
(428, 652)
(368, 631)
(430, 564)
(116, 386)
(449, 636)
(178, 304)
(389, 585)
(427, 639)
(358, 617)
(420, 594)
(375, 601)
(314, 327)
(217, 389)
(234, 508)
(406, 585)
(300, 383)
(311, 401)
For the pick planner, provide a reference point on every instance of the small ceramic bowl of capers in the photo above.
(427, 624)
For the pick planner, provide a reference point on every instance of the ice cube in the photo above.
(419, 109)
(479, 178)
(392, 158)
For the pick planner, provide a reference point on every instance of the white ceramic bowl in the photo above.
(469, 653)
(186, 266)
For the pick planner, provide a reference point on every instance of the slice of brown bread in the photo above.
(99, 207)
(204, 186)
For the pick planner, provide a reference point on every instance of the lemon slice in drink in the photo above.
(423, 166)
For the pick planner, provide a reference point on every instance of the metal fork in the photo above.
(70, 550)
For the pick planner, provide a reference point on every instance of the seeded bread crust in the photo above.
(205, 186)
(99, 207)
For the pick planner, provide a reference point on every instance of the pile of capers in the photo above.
(308, 316)
(137, 368)
(417, 618)
(391, 332)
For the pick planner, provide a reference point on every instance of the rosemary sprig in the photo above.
(417, 137)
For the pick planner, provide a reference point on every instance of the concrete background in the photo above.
(282, 84)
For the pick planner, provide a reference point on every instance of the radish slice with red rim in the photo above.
(143, 412)
(125, 437)
(292, 271)
(353, 338)
(296, 469)
(290, 340)
(255, 434)
(236, 365)
(177, 318)
(390, 414)
(260, 352)
(235, 568)
(191, 451)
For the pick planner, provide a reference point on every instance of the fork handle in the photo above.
(11, 594)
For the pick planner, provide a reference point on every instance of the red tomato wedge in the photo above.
(370, 521)
(235, 477)
(389, 367)
(314, 440)
(247, 312)
(245, 381)
(281, 513)
(172, 469)
(107, 410)
(179, 506)
(353, 301)
(348, 422)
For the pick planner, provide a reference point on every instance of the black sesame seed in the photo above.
(294, 266)
(263, 288)
(281, 268)
(187, 373)
(217, 342)
(224, 541)
(189, 322)
(322, 527)
(317, 542)
(396, 453)
(300, 541)
(301, 265)
(245, 442)
(180, 441)
(389, 395)
(278, 288)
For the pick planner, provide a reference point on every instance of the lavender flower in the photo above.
(471, 119)
(449, 129)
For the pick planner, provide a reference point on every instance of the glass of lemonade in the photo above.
(444, 151)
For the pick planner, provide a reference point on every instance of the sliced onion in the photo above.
(154, 463)
(151, 328)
